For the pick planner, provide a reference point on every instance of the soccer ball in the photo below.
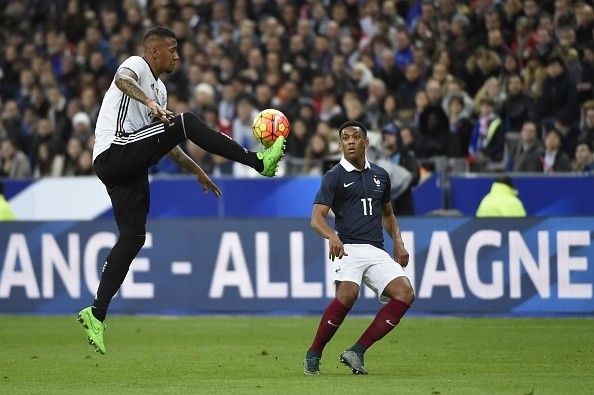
(268, 125)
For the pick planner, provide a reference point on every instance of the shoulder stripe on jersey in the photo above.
(122, 99)
(124, 112)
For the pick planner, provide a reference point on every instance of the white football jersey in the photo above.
(120, 115)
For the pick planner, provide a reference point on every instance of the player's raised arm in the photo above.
(319, 224)
(127, 81)
(391, 226)
(181, 158)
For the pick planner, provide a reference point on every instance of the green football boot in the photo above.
(94, 329)
(271, 156)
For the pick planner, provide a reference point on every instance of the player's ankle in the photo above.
(313, 354)
(358, 348)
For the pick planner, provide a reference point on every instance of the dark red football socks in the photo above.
(385, 320)
(331, 320)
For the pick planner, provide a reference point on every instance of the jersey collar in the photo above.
(348, 167)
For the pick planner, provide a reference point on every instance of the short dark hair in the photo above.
(505, 179)
(159, 31)
(352, 123)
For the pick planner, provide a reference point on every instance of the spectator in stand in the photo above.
(388, 71)
(487, 139)
(389, 111)
(491, 90)
(460, 127)
(13, 162)
(90, 104)
(501, 201)
(409, 138)
(554, 159)
(404, 54)
(376, 93)
(534, 74)
(81, 126)
(558, 104)
(529, 154)
(518, 107)
(354, 110)
(74, 148)
(585, 87)
(454, 87)
(433, 124)
(544, 43)
(398, 154)
(316, 152)
(483, 64)
(49, 162)
(405, 94)
(525, 38)
(242, 124)
(12, 123)
(511, 66)
(421, 102)
(297, 143)
(587, 131)
(583, 161)
(85, 163)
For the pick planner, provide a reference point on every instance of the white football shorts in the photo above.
(370, 265)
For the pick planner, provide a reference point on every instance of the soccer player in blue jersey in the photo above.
(358, 192)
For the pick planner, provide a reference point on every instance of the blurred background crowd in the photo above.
(443, 85)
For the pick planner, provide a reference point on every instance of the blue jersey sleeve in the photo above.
(386, 194)
(327, 190)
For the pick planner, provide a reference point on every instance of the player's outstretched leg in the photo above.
(265, 162)
(94, 329)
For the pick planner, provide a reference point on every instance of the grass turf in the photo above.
(264, 355)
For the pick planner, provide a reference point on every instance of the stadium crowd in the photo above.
(479, 85)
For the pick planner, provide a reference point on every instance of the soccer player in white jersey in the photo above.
(358, 192)
(134, 130)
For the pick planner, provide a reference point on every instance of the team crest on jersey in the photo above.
(378, 183)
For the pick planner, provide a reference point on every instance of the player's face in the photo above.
(353, 144)
(167, 54)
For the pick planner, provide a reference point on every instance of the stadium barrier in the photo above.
(280, 266)
(285, 197)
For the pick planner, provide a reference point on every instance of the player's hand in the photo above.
(207, 183)
(400, 254)
(336, 248)
(159, 112)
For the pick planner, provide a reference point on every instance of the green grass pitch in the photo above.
(263, 355)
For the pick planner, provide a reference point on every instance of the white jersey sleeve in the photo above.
(121, 116)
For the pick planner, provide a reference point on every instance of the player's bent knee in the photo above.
(191, 120)
(400, 289)
(135, 241)
(409, 295)
(347, 294)
(405, 292)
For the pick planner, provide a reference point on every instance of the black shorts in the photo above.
(124, 171)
